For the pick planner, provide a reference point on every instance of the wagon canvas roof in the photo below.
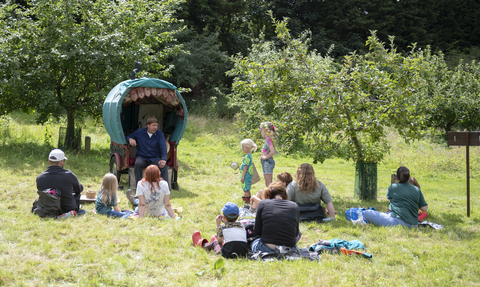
(146, 90)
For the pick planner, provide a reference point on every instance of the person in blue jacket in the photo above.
(151, 149)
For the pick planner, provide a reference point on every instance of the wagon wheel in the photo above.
(113, 168)
(174, 180)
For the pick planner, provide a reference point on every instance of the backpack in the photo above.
(48, 203)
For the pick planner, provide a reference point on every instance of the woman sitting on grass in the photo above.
(307, 189)
(107, 197)
(277, 220)
(405, 201)
(153, 194)
(284, 177)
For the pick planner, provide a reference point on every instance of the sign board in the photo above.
(460, 138)
(465, 139)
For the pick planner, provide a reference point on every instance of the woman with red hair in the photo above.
(153, 194)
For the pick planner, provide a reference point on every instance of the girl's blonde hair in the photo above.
(250, 144)
(305, 177)
(109, 188)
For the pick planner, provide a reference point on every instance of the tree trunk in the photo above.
(70, 142)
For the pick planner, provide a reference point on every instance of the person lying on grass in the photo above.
(405, 201)
(107, 197)
(231, 237)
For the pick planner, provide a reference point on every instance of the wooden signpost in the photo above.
(465, 139)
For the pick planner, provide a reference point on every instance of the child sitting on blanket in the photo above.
(231, 237)
(284, 177)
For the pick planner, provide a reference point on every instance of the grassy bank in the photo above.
(94, 250)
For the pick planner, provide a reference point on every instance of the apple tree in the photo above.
(61, 58)
(329, 108)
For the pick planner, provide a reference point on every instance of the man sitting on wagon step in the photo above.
(151, 149)
(62, 179)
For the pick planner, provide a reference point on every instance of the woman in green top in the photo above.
(405, 200)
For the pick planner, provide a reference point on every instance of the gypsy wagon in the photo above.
(126, 109)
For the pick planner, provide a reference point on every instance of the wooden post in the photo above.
(465, 139)
(468, 173)
(87, 144)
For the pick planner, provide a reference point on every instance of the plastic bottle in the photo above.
(67, 215)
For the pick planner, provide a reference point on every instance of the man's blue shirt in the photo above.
(149, 148)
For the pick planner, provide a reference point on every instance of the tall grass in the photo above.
(94, 250)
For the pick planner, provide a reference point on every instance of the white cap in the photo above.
(56, 155)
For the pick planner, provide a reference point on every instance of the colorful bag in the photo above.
(352, 214)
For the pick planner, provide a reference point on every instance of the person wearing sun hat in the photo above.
(63, 180)
(151, 149)
(231, 234)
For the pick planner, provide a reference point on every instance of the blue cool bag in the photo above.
(353, 213)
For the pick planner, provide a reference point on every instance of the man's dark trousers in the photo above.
(140, 164)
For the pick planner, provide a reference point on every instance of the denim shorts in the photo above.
(258, 245)
(268, 165)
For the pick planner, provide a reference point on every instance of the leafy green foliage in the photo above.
(454, 97)
(333, 109)
(62, 57)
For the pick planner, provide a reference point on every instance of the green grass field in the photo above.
(94, 250)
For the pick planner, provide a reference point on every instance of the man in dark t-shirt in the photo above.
(63, 180)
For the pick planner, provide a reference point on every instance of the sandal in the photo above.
(246, 199)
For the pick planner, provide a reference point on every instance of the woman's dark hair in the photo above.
(403, 174)
(275, 188)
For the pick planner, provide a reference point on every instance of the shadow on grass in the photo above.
(25, 157)
(182, 193)
(451, 217)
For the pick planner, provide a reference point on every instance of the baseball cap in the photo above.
(230, 208)
(56, 155)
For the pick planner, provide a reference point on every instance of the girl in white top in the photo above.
(153, 194)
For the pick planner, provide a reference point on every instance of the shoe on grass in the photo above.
(130, 196)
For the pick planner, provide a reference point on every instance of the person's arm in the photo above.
(244, 173)
(424, 208)
(141, 206)
(331, 210)
(77, 186)
(132, 138)
(257, 228)
(291, 191)
(218, 220)
(116, 208)
(271, 148)
(162, 147)
(168, 206)
(327, 199)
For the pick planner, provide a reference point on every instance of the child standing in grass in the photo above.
(247, 168)
(268, 150)
(107, 197)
